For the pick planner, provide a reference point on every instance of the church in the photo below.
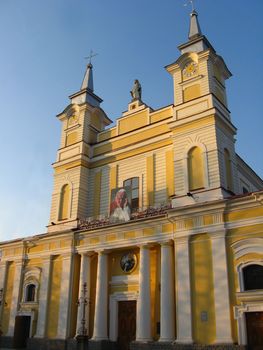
(155, 238)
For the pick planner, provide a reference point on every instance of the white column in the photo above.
(43, 298)
(101, 303)
(221, 289)
(84, 278)
(15, 296)
(143, 323)
(183, 291)
(3, 275)
(65, 297)
(167, 316)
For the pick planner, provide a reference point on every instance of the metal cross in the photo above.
(91, 55)
(192, 3)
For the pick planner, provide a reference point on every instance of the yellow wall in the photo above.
(150, 180)
(202, 289)
(64, 202)
(228, 171)
(169, 173)
(97, 187)
(93, 274)
(53, 308)
(195, 169)
(133, 122)
(8, 297)
(75, 290)
(155, 289)
(192, 92)
(71, 138)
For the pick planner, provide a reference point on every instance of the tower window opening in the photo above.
(195, 169)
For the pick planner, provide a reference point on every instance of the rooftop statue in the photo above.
(136, 91)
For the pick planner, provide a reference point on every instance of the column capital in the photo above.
(47, 259)
(145, 245)
(102, 251)
(182, 239)
(166, 243)
(86, 253)
(218, 234)
(3, 263)
(67, 256)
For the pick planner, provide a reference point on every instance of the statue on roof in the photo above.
(136, 91)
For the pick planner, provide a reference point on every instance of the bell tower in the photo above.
(205, 158)
(81, 121)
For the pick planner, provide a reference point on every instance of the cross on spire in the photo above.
(91, 55)
(192, 4)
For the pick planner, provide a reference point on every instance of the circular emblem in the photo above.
(128, 262)
(190, 69)
(73, 119)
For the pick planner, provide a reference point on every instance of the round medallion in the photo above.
(128, 262)
(73, 119)
(190, 69)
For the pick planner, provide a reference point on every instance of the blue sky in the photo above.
(43, 45)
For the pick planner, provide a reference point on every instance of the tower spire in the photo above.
(87, 82)
(195, 30)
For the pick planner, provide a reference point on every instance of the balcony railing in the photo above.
(105, 220)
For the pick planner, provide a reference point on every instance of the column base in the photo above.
(95, 344)
(51, 344)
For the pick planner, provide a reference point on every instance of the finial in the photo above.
(88, 78)
(192, 4)
(195, 30)
(91, 55)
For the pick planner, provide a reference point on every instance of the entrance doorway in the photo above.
(126, 323)
(254, 321)
(22, 331)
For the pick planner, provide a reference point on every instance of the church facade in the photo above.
(155, 237)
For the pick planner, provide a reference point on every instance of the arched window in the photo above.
(195, 169)
(30, 292)
(253, 277)
(64, 202)
(133, 183)
(228, 172)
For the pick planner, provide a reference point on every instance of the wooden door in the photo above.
(254, 322)
(126, 323)
(22, 330)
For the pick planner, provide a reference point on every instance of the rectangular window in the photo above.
(133, 183)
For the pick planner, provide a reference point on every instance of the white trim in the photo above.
(32, 315)
(239, 269)
(205, 164)
(246, 246)
(70, 183)
(239, 314)
(114, 299)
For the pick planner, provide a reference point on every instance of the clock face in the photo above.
(72, 120)
(128, 262)
(190, 69)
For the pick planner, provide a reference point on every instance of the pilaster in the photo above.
(83, 310)
(100, 331)
(15, 296)
(65, 297)
(143, 324)
(43, 298)
(167, 316)
(221, 288)
(183, 290)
